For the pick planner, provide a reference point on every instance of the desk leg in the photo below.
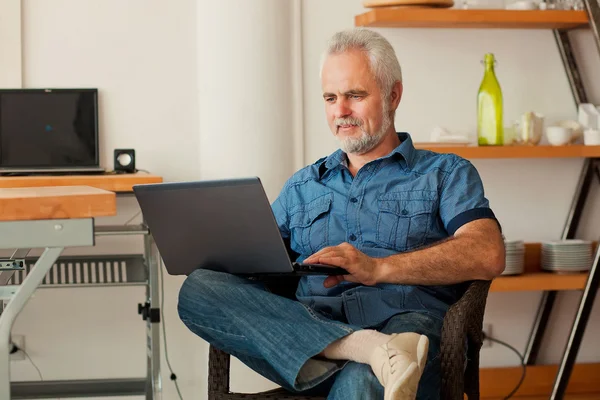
(153, 378)
(14, 307)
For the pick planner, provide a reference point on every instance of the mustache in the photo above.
(348, 121)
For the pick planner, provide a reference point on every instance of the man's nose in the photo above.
(342, 109)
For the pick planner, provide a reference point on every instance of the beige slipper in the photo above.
(399, 364)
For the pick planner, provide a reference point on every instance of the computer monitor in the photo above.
(49, 130)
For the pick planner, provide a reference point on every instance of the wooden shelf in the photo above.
(470, 152)
(539, 281)
(536, 279)
(56, 203)
(111, 182)
(496, 382)
(397, 17)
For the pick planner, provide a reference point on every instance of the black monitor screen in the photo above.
(48, 128)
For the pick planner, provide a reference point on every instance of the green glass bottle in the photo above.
(490, 131)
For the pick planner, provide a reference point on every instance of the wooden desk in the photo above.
(75, 203)
(121, 183)
(49, 217)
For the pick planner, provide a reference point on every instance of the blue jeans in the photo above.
(280, 338)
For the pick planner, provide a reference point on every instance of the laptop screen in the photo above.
(46, 128)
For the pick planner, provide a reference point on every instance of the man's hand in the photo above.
(362, 268)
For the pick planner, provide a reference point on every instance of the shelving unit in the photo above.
(560, 22)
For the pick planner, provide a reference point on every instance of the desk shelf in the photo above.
(396, 17)
(89, 271)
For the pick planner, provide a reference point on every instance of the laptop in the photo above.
(222, 225)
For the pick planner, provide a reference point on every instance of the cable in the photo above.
(32, 363)
(14, 348)
(524, 367)
(162, 307)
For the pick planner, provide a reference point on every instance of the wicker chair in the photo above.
(461, 336)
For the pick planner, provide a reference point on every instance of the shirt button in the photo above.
(352, 237)
(354, 199)
(404, 212)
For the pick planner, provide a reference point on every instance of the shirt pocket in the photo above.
(404, 219)
(309, 224)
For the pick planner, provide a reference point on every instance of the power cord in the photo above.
(521, 358)
(14, 348)
(162, 307)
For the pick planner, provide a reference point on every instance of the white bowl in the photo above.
(558, 135)
(575, 127)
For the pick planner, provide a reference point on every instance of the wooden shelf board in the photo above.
(111, 182)
(471, 152)
(539, 281)
(398, 17)
(496, 382)
(33, 203)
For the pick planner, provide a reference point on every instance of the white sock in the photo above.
(358, 346)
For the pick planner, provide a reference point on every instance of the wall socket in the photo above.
(19, 341)
(487, 328)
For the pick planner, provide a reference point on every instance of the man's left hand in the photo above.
(362, 268)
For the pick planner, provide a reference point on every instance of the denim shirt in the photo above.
(398, 203)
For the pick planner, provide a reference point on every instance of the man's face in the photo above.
(353, 102)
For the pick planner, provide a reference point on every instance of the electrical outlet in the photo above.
(487, 328)
(19, 341)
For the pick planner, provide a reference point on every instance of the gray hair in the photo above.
(384, 63)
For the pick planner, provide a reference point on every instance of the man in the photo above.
(409, 226)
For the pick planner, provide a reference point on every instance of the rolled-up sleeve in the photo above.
(462, 197)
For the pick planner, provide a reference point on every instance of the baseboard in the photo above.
(539, 379)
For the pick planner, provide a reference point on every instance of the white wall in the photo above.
(10, 43)
(170, 89)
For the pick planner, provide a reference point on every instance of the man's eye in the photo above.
(329, 99)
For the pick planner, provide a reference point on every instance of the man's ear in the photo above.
(396, 95)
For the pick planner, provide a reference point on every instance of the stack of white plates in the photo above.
(571, 255)
(515, 257)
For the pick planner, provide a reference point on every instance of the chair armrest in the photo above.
(218, 371)
(462, 326)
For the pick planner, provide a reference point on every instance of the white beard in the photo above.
(366, 142)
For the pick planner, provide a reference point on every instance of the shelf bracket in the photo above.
(593, 9)
(570, 63)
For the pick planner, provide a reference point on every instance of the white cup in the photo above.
(558, 135)
(591, 137)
